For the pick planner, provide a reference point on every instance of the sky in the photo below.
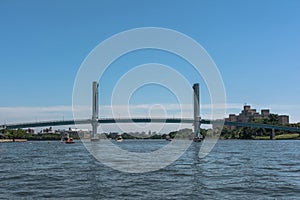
(255, 45)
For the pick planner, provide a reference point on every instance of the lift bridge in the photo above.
(196, 121)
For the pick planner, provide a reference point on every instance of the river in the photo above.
(235, 169)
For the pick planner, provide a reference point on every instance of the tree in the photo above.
(273, 119)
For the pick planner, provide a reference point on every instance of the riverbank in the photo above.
(13, 140)
(291, 136)
(294, 136)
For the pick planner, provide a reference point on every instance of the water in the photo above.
(235, 169)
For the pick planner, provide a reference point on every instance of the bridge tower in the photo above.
(95, 109)
(197, 117)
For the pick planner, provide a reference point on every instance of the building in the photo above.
(283, 119)
(247, 115)
(265, 113)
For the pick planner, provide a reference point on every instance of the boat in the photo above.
(119, 138)
(168, 138)
(198, 139)
(66, 138)
(69, 141)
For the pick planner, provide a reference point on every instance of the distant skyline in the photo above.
(255, 45)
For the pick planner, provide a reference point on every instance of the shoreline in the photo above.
(41, 140)
(13, 140)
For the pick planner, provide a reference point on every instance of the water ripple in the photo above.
(234, 170)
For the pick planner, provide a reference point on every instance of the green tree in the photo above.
(273, 119)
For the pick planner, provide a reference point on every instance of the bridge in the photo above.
(145, 120)
(196, 121)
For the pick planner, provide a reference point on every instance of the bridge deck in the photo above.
(147, 120)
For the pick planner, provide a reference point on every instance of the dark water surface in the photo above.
(235, 169)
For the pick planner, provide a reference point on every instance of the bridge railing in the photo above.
(46, 123)
(146, 120)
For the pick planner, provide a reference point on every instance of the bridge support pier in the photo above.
(272, 134)
(95, 110)
(197, 117)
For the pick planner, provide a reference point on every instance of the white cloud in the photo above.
(29, 114)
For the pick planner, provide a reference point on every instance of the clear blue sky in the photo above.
(255, 44)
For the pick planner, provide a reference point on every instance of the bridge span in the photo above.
(147, 120)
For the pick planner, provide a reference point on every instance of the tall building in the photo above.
(265, 113)
(247, 115)
(283, 119)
